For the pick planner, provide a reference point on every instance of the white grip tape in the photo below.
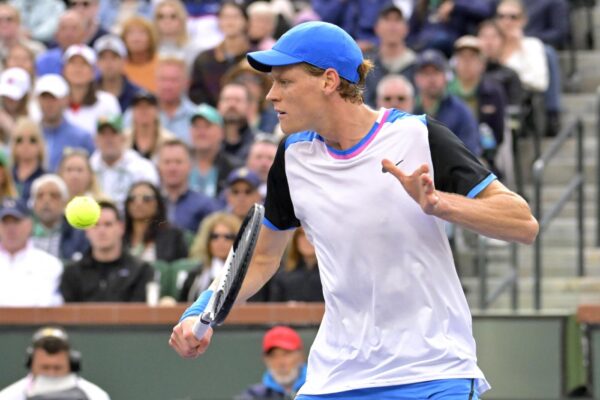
(200, 327)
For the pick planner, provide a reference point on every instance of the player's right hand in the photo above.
(185, 343)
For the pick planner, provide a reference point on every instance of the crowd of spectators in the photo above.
(151, 107)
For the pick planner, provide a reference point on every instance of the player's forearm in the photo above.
(258, 275)
(503, 216)
(265, 262)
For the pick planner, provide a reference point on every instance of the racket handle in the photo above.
(200, 327)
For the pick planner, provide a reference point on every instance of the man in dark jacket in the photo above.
(431, 81)
(107, 273)
(286, 367)
(391, 56)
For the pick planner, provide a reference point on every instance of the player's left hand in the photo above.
(419, 185)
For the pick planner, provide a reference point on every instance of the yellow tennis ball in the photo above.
(82, 212)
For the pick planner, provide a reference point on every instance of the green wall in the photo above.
(523, 358)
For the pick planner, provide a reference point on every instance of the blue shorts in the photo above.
(444, 389)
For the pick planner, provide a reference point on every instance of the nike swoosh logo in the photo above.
(385, 170)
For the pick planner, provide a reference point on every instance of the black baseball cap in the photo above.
(144, 95)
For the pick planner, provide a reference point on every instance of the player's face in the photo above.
(52, 365)
(296, 96)
(284, 365)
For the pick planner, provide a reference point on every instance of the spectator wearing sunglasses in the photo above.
(395, 91)
(170, 20)
(28, 153)
(210, 247)
(148, 234)
(52, 92)
(242, 191)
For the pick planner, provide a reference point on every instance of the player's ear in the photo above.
(331, 80)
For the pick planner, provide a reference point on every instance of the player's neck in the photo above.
(349, 124)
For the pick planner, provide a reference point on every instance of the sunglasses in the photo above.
(166, 16)
(84, 4)
(145, 198)
(67, 151)
(30, 139)
(512, 17)
(397, 98)
(226, 236)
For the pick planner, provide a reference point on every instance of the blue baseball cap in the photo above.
(14, 207)
(245, 175)
(317, 43)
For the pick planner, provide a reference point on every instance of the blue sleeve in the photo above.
(199, 305)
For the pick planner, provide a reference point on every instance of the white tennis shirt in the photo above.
(395, 312)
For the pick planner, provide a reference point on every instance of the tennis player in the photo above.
(372, 190)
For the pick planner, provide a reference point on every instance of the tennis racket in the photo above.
(235, 268)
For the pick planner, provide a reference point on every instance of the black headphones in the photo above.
(58, 334)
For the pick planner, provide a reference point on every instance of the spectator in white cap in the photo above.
(86, 103)
(71, 30)
(111, 53)
(15, 84)
(52, 93)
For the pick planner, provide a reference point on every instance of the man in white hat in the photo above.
(52, 93)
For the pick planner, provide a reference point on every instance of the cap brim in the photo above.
(264, 60)
(10, 92)
(12, 213)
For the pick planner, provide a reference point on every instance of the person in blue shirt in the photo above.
(52, 92)
(286, 369)
(186, 208)
(433, 99)
(71, 30)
